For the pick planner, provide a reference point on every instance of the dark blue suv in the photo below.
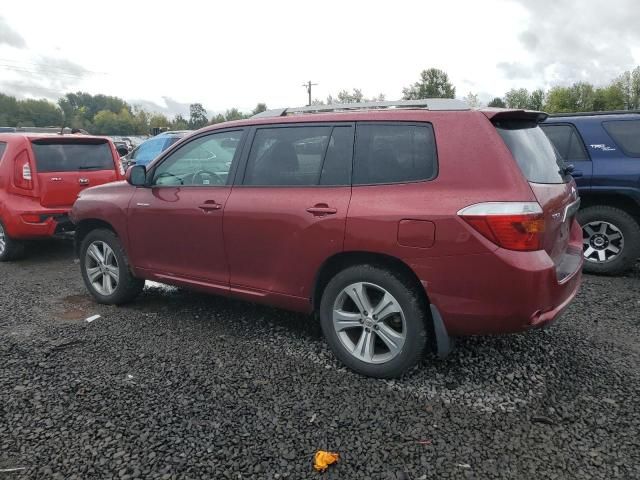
(604, 149)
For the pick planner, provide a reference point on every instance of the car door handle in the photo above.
(321, 209)
(210, 205)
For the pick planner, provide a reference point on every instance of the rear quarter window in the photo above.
(626, 134)
(57, 156)
(532, 150)
(394, 153)
(567, 142)
(3, 147)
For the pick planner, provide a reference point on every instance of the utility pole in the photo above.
(308, 86)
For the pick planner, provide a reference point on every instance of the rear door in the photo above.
(556, 192)
(288, 214)
(65, 166)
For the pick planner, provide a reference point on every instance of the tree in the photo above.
(629, 84)
(219, 118)
(158, 120)
(433, 83)
(260, 107)
(198, 116)
(233, 114)
(472, 100)
(41, 113)
(497, 102)
(517, 98)
(179, 123)
(536, 100)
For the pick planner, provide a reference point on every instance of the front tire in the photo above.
(105, 269)
(611, 239)
(374, 321)
(10, 249)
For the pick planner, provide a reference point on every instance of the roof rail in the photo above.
(427, 104)
(588, 114)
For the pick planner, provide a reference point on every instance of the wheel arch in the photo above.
(618, 200)
(87, 225)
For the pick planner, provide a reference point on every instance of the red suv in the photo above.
(40, 178)
(395, 222)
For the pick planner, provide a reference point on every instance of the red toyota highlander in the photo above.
(395, 222)
(40, 178)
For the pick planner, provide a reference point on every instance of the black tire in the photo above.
(411, 303)
(13, 249)
(627, 225)
(128, 287)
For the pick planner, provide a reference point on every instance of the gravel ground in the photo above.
(184, 385)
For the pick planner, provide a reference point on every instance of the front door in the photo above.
(175, 224)
(288, 214)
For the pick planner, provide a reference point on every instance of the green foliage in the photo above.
(497, 102)
(260, 107)
(472, 100)
(198, 116)
(433, 83)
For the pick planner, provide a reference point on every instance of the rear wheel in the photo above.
(105, 269)
(10, 249)
(374, 321)
(611, 239)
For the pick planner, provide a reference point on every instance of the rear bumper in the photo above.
(499, 292)
(35, 222)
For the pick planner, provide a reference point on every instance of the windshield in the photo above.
(532, 150)
(56, 156)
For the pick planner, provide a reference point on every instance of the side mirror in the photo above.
(137, 175)
(122, 150)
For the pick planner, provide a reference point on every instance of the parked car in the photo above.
(395, 225)
(604, 149)
(147, 151)
(41, 176)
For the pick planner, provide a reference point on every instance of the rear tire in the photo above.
(382, 337)
(105, 269)
(604, 230)
(10, 249)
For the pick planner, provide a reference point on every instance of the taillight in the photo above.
(510, 225)
(120, 167)
(22, 172)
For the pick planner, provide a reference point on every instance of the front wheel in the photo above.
(105, 269)
(374, 321)
(611, 239)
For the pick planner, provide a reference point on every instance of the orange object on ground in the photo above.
(323, 459)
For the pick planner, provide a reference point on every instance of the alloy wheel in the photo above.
(101, 266)
(369, 322)
(3, 240)
(602, 241)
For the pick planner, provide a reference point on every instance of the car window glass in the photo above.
(64, 156)
(3, 146)
(394, 153)
(536, 156)
(150, 150)
(204, 161)
(287, 156)
(336, 168)
(626, 133)
(567, 142)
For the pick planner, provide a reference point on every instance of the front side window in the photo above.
(204, 161)
(626, 134)
(300, 156)
(388, 153)
(567, 142)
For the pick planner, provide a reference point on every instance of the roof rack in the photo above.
(427, 104)
(588, 114)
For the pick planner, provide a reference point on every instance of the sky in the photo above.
(224, 54)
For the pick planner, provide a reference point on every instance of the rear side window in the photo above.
(626, 134)
(394, 153)
(300, 156)
(536, 156)
(57, 156)
(567, 142)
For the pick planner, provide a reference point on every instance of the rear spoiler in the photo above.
(494, 114)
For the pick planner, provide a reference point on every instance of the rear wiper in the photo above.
(89, 167)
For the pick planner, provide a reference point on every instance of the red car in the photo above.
(395, 222)
(40, 178)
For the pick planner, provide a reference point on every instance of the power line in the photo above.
(308, 86)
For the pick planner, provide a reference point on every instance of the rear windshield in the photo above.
(52, 156)
(536, 156)
(626, 133)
